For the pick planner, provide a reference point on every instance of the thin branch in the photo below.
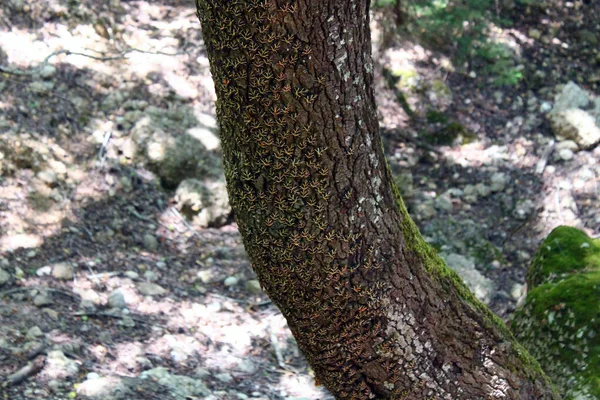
(118, 56)
(28, 370)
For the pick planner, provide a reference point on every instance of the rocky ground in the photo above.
(122, 274)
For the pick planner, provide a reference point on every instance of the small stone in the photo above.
(48, 71)
(42, 300)
(44, 271)
(205, 275)
(117, 300)
(224, 377)
(31, 254)
(247, 366)
(34, 333)
(150, 242)
(444, 202)
(517, 291)
(19, 273)
(253, 287)
(523, 209)
(499, 181)
(473, 74)
(231, 281)
(151, 289)
(92, 375)
(214, 307)
(534, 34)
(48, 177)
(150, 276)
(131, 274)
(4, 277)
(483, 190)
(59, 366)
(51, 313)
(566, 154)
(62, 271)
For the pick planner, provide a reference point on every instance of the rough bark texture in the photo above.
(375, 312)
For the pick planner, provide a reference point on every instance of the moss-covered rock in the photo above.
(560, 322)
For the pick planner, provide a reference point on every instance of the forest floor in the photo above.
(107, 291)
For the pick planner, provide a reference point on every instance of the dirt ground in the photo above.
(109, 292)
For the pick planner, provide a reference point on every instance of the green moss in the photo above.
(560, 321)
(566, 250)
(450, 280)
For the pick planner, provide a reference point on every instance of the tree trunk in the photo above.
(374, 310)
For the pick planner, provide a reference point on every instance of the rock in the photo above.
(4, 277)
(174, 154)
(131, 274)
(62, 271)
(48, 71)
(558, 323)
(51, 313)
(499, 181)
(253, 287)
(573, 117)
(481, 286)
(58, 366)
(231, 281)
(34, 333)
(150, 242)
(206, 276)
(42, 300)
(224, 377)
(117, 300)
(206, 203)
(151, 276)
(523, 209)
(483, 190)
(151, 289)
(444, 202)
(425, 209)
(48, 177)
(470, 193)
(566, 154)
(44, 271)
(180, 386)
(534, 34)
(247, 366)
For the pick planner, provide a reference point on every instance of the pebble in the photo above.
(444, 202)
(47, 176)
(498, 181)
(224, 377)
(253, 287)
(48, 71)
(231, 281)
(34, 333)
(566, 154)
(92, 375)
(4, 277)
(151, 289)
(62, 271)
(42, 300)
(117, 300)
(44, 271)
(132, 274)
(150, 242)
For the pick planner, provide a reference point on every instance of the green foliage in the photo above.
(461, 28)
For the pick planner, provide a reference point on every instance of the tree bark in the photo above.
(376, 313)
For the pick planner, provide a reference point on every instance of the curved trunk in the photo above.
(374, 310)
